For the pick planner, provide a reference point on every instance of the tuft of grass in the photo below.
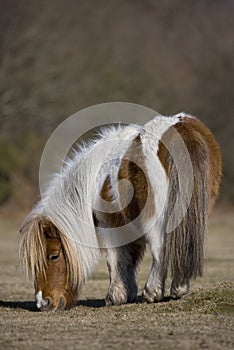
(212, 301)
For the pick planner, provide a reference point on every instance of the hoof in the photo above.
(152, 295)
(115, 298)
(179, 292)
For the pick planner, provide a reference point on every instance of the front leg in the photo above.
(123, 286)
(155, 285)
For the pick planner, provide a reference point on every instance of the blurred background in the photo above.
(58, 57)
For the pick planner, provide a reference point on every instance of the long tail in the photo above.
(184, 249)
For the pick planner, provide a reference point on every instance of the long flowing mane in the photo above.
(68, 202)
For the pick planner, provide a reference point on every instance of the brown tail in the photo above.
(184, 249)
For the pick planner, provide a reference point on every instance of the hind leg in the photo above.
(179, 289)
(155, 285)
(122, 264)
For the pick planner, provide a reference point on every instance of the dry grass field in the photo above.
(203, 320)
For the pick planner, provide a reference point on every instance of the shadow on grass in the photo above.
(101, 302)
(24, 305)
(31, 305)
(94, 303)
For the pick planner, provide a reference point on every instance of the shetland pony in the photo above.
(131, 187)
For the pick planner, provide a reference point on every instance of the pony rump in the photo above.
(34, 233)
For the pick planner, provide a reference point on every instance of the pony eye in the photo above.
(54, 257)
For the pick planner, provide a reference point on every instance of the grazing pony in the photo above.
(130, 187)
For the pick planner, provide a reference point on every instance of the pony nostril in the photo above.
(47, 302)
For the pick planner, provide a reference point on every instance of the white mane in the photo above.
(70, 196)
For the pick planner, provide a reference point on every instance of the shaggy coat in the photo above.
(133, 186)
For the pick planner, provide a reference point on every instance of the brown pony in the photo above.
(134, 186)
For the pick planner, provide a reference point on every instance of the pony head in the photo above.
(50, 259)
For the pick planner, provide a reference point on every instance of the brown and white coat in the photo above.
(133, 186)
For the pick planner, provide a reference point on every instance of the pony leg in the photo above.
(123, 287)
(179, 289)
(155, 285)
(122, 264)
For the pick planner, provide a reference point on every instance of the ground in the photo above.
(203, 320)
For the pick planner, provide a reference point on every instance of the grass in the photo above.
(204, 319)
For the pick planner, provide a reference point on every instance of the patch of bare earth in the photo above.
(203, 320)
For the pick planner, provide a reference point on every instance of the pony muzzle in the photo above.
(47, 303)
